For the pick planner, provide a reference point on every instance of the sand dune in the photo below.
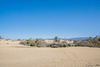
(16, 55)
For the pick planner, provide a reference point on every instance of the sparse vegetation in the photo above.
(91, 42)
(58, 44)
(28, 42)
(41, 43)
(31, 42)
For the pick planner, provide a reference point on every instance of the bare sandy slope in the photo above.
(15, 55)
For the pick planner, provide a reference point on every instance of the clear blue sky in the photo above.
(49, 18)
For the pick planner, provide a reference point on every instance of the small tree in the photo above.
(56, 39)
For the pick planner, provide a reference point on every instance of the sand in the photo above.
(15, 55)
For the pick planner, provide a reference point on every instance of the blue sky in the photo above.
(49, 18)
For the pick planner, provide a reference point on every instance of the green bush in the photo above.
(64, 45)
(28, 42)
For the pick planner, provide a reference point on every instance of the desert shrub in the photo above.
(22, 42)
(48, 45)
(57, 44)
(75, 42)
(28, 42)
(31, 43)
(37, 42)
(90, 42)
(64, 45)
(54, 46)
(40, 42)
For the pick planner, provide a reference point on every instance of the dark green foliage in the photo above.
(56, 39)
(64, 45)
(98, 39)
